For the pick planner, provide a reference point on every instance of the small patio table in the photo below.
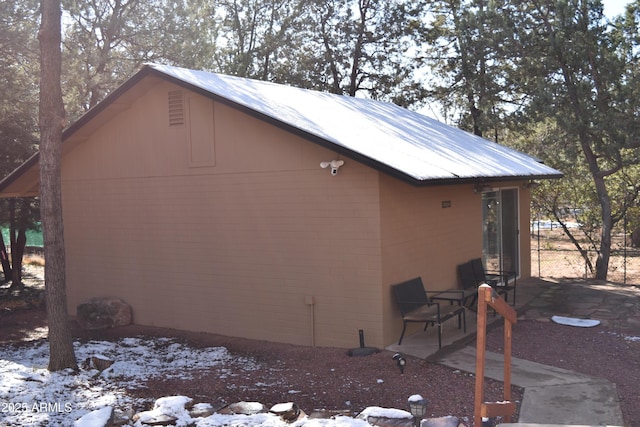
(454, 295)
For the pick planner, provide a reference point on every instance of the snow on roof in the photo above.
(384, 134)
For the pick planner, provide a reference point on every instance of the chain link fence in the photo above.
(554, 255)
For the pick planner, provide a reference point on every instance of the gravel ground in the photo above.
(313, 378)
(327, 378)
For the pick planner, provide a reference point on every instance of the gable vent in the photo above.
(176, 108)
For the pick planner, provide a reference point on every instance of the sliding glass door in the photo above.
(500, 230)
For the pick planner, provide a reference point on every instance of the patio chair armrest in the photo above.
(460, 291)
(417, 303)
(504, 276)
(501, 272)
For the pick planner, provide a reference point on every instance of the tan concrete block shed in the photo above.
(200, 200)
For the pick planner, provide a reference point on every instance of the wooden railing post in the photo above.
(488, 297)
(481, 343)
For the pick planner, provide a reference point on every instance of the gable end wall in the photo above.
(256, 241)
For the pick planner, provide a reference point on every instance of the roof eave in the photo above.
(108, 100)
(74, 127)
(478, 179)
(17, 173)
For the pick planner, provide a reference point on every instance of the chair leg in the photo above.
(439, 335)
(473, 302)
(404, 328)
(464, 320)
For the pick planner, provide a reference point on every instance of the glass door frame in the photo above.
(501, 229)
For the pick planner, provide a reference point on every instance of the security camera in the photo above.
(334, 164)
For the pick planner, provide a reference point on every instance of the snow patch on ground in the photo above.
(630, 338)
(30, 395)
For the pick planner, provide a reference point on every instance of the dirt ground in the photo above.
(554, 255)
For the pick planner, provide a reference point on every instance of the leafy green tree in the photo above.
(18, 122)
(93, 50)
(467, 49)
(18, 91)
(342, 46)
(107, 41)
(19, 215)
(254, 37)
(569, 201)
(582, 73)
(557, 63)
(189, 34)
(23, 212)
(363, 47)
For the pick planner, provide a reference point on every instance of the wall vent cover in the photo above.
(176, 108)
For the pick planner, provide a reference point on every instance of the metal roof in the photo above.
(389, 138)
(382, 134)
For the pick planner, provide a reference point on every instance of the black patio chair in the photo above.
(469, 280)
(502, 281)
(416, 307)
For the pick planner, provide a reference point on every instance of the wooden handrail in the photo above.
(487, 296)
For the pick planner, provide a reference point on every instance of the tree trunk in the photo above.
(12, 225)
(17, 254)
(61, 354)
(4, 259)
(604, 255)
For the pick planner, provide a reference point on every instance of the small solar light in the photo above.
(401, 361)
(417, 407)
